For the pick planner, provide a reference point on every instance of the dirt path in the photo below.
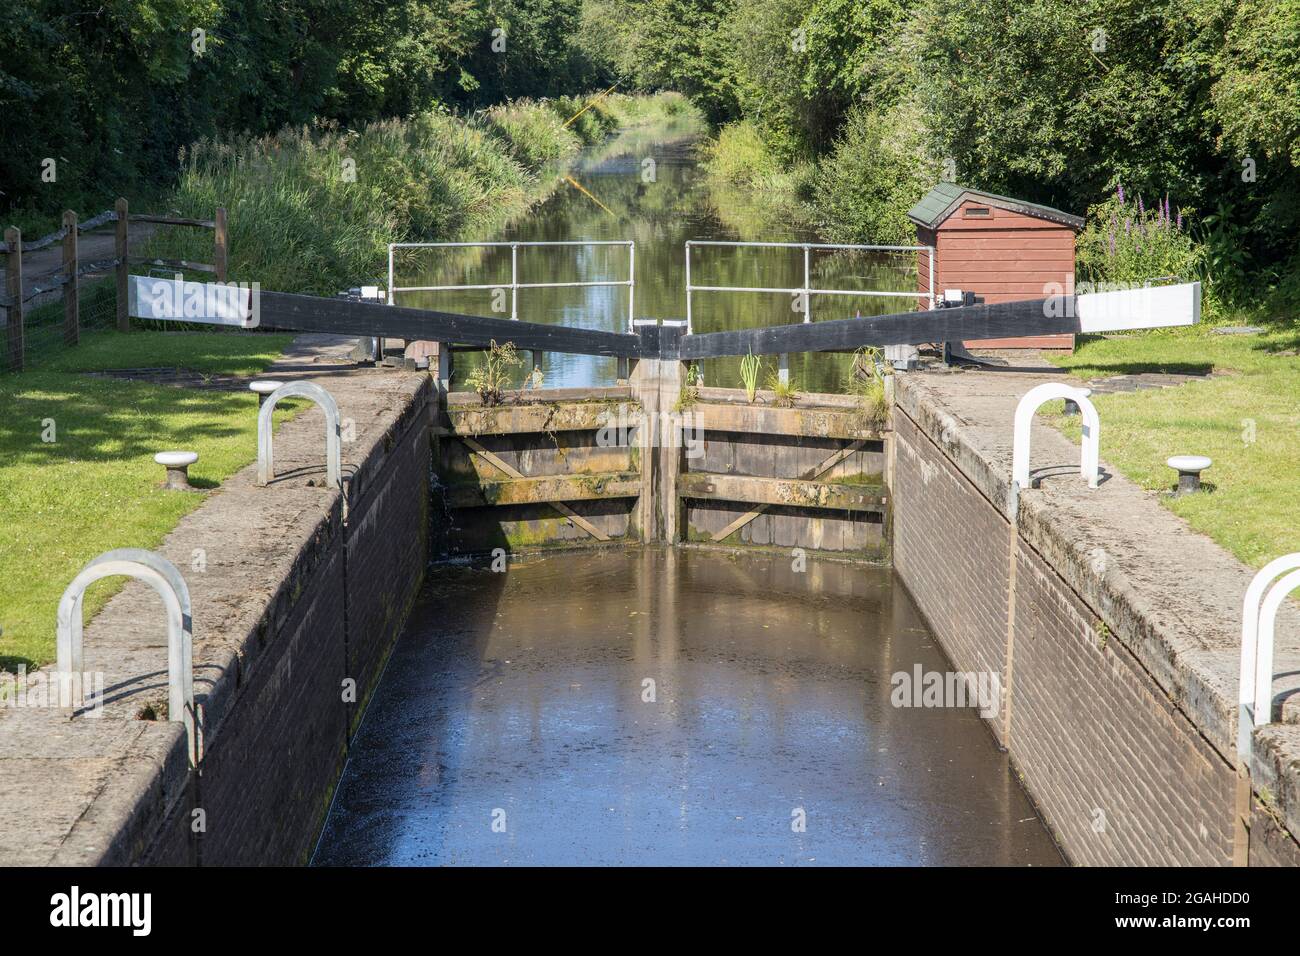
(91, 247)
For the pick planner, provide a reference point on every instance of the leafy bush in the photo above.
(795, 68)
(312, 209)
(591, 121)
(751, 188)
(739, 157)
(1126, 241)
(875, 173)
(867, 383)
(493, 377)
(628, 110)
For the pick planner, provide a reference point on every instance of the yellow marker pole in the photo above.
(591, 104)
(578, 186)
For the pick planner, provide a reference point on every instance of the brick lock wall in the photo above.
(387, 548)
(1123, 777)
(267, 775)
(1119, 774)
(272, 761)
(1270, 843)
(951, 552)
(268, 766)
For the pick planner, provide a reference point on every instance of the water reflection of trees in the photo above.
(659, 206)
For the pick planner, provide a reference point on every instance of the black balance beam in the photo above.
(1003, 320)
(305, 313)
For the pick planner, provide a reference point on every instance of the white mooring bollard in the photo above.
(263, 387)
(177, 464)
(1189, 468)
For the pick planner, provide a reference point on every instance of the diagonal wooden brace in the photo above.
(816, 471)
(512, 472)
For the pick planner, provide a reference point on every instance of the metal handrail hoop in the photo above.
(333, 450)
(1090, 460)
(161, 575)
(1258, 617)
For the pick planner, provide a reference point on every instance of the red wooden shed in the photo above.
(1002, 249)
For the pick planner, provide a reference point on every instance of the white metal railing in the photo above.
(515, 285)
(806, 291)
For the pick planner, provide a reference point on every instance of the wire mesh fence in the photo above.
(45, 330)
(52, 298)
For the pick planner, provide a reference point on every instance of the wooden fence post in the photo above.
(219, 253)
(14, 283)
(72, 288)
(123, 266)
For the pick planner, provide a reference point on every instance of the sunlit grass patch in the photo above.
(94, 487)
(1245, 416)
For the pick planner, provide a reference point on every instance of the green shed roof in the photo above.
(941, 201)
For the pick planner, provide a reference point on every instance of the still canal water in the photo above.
(670, 707)
(645, 185)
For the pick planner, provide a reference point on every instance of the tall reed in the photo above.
(312, 209)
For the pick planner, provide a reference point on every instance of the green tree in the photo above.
(678, 45)
(1256, 100)
(876, 172)
(114, 91)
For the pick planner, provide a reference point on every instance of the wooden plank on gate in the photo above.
(809, 475)
(513, 472)
(782, 491)
(545, 489)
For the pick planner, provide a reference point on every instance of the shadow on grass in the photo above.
(1105, 369)
(1290, 343)
(90, 425)
(11, 663)
(1193, 369)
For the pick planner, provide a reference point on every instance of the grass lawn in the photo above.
(1247, 420)
(95, 487)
